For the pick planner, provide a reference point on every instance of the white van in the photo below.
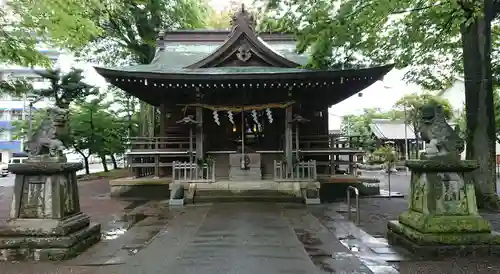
(17, 160)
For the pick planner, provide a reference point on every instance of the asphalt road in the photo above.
(400, 181)
(9, 180)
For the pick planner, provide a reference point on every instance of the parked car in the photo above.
(4, 169)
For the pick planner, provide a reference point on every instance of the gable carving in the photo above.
(244, 53)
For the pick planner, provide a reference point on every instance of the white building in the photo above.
(17, 108)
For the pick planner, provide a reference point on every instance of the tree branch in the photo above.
(416, 9)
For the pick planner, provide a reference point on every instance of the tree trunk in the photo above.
(113, 160)
(104, 164)
(480, 133)
(85, 161)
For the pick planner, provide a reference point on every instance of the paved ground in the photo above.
(149, 237)
(9, 180)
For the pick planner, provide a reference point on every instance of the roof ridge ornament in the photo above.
(243, 18)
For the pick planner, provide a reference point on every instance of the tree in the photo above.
(219, 19)
(412, 103)
(388, 155)
(65, 88)
(93, 130)
(435, 39)
(379, 31)
(130, 29)
(26, 23)
(359, 126)
(475, 34)
(461, 117)
(126, 110)
(21, 128)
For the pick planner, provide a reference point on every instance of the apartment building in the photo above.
(18, 108)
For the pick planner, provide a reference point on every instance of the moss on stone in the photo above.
(442, 165)
(436, 239)
(444, 224)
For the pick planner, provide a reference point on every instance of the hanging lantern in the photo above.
(234, 128)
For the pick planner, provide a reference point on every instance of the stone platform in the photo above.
(442, 219)
(432, 245)
(144, 187)
(53, 241)
(300, 191)
(45, 221)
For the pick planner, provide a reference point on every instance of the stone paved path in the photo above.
(242, 238)
(149, 237)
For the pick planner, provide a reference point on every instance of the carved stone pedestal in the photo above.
(442, 219)
(45, 218)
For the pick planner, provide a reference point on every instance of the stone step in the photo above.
(235, 199)
(251, 192)
(205, 196)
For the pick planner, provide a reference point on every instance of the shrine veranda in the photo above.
(237, 106)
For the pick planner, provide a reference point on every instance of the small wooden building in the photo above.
(247, 102)
(395, 132)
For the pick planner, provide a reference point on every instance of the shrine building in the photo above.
(237, 106)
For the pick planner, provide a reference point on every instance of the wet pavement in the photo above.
(244, 238)
(150, 237)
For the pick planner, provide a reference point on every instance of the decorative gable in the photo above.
(244, 48)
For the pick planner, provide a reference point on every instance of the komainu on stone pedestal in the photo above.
(45, 219)
(442, 218)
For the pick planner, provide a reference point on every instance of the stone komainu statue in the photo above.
(45, 139)
(441, 138)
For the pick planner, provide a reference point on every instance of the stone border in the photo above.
(44, 168)
(442, 165)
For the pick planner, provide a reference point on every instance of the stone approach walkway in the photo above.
(148, 237)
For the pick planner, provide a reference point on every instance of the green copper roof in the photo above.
(182, 54)
(159, 68)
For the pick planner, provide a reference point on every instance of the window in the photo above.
(5, 135)
(4, 115)
(16, 115)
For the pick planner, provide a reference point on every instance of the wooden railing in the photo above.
(185, 172)
(299, 172)
(159, 143)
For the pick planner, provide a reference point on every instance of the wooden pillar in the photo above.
(199, 133)
(163, 116)
(288, 138)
